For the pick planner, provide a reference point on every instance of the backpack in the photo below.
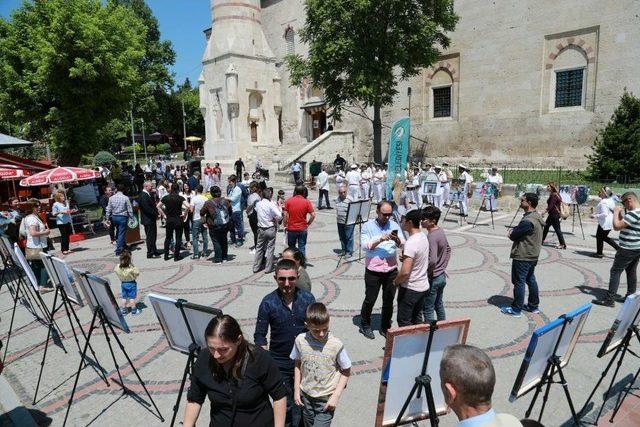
(244, 196)
(220, 216)
(565, 211)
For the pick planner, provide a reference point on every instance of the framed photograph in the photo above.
(541, 346)
(175, 327)
(21, 262)
(97, 292)
(430, 188)
(403, 357)
(627, 317)
(67, 280)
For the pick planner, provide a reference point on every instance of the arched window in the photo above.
(290, 40)
(442, 94)
(569, 78)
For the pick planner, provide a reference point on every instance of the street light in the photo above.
(409, 96)
(184, 126)
(133, 136)
(144, 142)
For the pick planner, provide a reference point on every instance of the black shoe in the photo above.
(177, 258)
(620, 298)
(153, 256)
(329, 207)
(383, 332)
(367, 332)
(604, 302)
(598, 255)
(166, 258)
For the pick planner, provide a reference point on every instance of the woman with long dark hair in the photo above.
(238, 377)
(553, 215)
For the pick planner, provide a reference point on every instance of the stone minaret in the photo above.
(239, 86)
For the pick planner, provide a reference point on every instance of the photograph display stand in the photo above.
(489, 192)
(183, 324)
(456, 195)
(414, 353)
(575, 211)
(549, 351)
(624, 329)
(17, 266)
(357, 214)
(100, 298)
(58, 273)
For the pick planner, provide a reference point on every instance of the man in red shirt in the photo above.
(296, 211)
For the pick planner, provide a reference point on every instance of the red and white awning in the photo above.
(59, 175)
(12, 171)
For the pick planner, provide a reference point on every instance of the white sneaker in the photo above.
(252, 251)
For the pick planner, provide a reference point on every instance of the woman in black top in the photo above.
(553, 215)
(238, 377)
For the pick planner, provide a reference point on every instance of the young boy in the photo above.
(322, 368)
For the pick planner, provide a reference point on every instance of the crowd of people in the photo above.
(296, 370)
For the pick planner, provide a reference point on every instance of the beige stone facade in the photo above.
(507, 62)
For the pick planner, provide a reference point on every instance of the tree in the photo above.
(616, 153)
(171, 107)
(104, 158)
(67, 69)
(359, 49)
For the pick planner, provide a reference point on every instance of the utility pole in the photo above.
(184, 125)
(144, 142)
(133, 137)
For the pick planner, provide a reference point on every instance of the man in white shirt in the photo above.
(467, 379)
(268, 213)
(295, 170)
(468, 190)
(491, 201)
(323, 188)
(446, 187)
(365, 182)
(353, 182)
(198, 227)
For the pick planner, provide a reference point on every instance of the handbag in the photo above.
(564, 210)
(32, 253)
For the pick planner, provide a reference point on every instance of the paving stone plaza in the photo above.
(479, 283)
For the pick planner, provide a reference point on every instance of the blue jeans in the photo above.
(198, 230)
(523, 272)
(236, 219)
(294, 412)
(345, 232)
(434, 299)
(120, 222)
(297, 239)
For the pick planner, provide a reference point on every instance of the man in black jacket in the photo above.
(148, 218)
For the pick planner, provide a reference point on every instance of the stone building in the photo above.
(523, 83)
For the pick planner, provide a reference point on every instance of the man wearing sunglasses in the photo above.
(380, 239)
(284, 311)
(627, 256)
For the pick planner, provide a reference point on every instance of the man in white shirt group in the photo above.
(353, 182)
(295, 170)
(323, 188)
(379, 181)
(366, 175)
(198, 227)
(269, 214)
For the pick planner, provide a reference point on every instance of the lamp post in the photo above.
(133, 137)
(144, 142)
(184, 126)
(409, 96)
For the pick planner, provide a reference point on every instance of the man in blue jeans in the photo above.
(527, 241)
(345, 231)
(298, 216)
(234, 196)
(119, 210)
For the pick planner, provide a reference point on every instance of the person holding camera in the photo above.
(381, 239)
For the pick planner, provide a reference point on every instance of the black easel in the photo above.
(575, 210)
(451, 202)
(490, 199)
(23, 290)
(194, 349)
(553, 367)
(68, 307)
(621, 351)
(423, 382)
(98, 314)
(359, 222)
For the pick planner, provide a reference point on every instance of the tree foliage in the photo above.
(360, 49)
(103, 158)
(616, 150)
(68, 68)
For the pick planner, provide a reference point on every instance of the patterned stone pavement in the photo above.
(479, 283)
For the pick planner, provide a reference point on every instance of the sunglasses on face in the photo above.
(387, 215)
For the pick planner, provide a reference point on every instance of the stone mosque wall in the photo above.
(492, 96)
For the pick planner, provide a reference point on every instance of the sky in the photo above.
(181, 21)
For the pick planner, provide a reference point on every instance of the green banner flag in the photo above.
(398, 153)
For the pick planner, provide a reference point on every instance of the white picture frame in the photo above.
(97, 291)
(625, 318)
(21, 262)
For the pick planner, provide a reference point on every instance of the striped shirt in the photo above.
(630, 236)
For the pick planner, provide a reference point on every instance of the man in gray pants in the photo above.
(268, 214)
